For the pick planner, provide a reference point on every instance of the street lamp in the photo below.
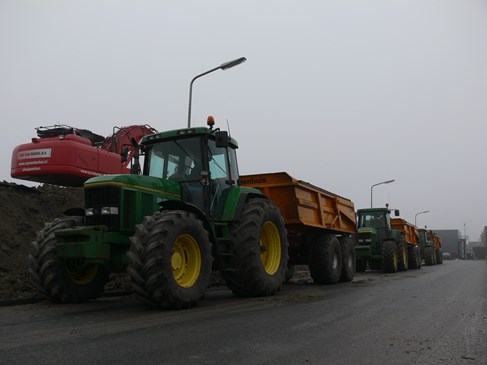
(223, 66)
(383, 182)
(425, 211)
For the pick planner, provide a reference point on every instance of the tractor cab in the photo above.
(201, 160)
(373, 227)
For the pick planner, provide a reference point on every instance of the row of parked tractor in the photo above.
(181, 210)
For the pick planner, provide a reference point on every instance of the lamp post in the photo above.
(383, 182)
(424, 211)
(223, 66)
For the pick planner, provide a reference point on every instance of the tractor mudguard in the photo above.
(234, 201)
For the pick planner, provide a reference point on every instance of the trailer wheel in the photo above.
(439, 257)
(289, 273)
(429, 252)
(413, 257)
(390, 259)
(348, 259)
(63, 280)
(402, 256)
(325, 261)
(260, 250)
(360, 265)
(170, 259)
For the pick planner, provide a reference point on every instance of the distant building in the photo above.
(452, 242)
(476, 250)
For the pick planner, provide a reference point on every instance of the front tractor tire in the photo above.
(170, 260)
(63, 280)
(260, 250)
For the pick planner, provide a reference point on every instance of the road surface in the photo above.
(435, 315)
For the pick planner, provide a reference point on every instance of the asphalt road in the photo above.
(436, 315)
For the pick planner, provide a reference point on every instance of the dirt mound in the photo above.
(23, 212)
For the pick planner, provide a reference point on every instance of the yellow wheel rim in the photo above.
(83, 276)
(395, 258)
(186, 260)
(270, 248)
(404, 256)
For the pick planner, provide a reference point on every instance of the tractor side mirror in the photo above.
(124, 154)
(221, 139)
(396, 213)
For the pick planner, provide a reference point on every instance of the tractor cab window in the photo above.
(178, 160)
(373, 219)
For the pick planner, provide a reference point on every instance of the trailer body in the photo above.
(315, 218)
(411, 238)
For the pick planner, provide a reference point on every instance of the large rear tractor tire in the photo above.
(402, 256)
(390, 257)
(348, 259)
(325, 261)
(170, 260)
(429, 258)
(260, 250)
(414, 259)
(63, 280)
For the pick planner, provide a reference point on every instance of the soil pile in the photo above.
(23, 213)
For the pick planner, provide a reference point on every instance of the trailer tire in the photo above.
(170, 260)
(429, 252)
(360, 265)
(390, 257)
(414, 261)
(439, 257)
(402, 256)
(260, 250)
(348, 259)
(59, 280)
(325, 261)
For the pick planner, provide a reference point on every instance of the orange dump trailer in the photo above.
(410, 233)
(432, 253)
(320, 225)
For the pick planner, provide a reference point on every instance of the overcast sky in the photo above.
(342, 94)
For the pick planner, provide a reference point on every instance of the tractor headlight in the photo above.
(89, 212)
(109, 210)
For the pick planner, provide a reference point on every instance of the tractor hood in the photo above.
(167, 188)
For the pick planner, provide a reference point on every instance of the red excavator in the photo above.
(67, 156)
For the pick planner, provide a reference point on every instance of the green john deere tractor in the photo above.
(180, 215)
(376, 242)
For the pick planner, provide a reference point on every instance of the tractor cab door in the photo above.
(223, 171)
